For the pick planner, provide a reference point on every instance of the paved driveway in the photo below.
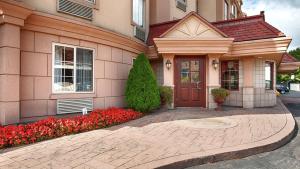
(159, 139)
(287, 157)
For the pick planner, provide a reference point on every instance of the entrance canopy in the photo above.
(248, 36)
(289, 64)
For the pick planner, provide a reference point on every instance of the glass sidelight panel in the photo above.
(184, 73)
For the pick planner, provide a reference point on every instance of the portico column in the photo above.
(213, 79)
(248, 88)
(12, 16)
(169, 73)
(9, 73)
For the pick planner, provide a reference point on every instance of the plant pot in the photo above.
(219, 102)
(171, 106)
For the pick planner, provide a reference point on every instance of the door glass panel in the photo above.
(194, 65)
(195, 77)
(184, 73)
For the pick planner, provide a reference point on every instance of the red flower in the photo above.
(53, 128)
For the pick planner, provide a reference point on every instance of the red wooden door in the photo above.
(190, 81)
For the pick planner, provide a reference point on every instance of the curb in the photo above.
(241, 151)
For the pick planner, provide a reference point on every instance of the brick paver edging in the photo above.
(221, 154)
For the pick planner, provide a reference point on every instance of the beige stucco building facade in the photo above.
(52, 56)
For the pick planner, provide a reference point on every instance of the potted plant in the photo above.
(166, 96)
(219, 95)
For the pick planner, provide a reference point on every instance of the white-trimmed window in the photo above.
(138, 12)
(73, 69)
(269, 75)
(226, 6)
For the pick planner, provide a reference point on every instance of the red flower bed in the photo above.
(53, 128)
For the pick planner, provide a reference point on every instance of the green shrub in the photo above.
(220, 93)
(142, 93)
(166, 94)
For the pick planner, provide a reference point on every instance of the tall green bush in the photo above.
(142, 92)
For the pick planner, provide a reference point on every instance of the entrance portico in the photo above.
(203, 58)
(191, 47)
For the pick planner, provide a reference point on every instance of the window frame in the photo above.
(272, 87)
(144, 16)
(238, 73)
(75, 65)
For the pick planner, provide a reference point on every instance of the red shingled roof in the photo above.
(287, 58)
(242, 29)
(158, 29)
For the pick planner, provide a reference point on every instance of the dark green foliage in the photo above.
(283, 78)
(295, 53)
(142, 93)
(166, 94)
(220, 93)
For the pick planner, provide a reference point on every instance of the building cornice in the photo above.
(56, 25)
(13, 12)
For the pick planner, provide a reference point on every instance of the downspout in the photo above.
(197, 7)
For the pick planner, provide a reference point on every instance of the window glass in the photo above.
(195, 78)
(225, 10)
(234, 11)
(269, 75)
(138, 15)
(71, 69)
(185, 70)
(230, 75)
(194, 65)
(84, 70)
(64, 69)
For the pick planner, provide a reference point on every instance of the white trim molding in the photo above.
(193, 46)
(259, 47)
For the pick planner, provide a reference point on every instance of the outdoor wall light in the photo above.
(168, 64)
(215, 64)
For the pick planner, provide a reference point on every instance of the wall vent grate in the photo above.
(67, 106)
(75, 9)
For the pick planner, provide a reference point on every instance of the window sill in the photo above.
(136, 25)
(270, 90)
(72, 95)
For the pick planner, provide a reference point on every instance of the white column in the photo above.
(248, 88)
(213, 79)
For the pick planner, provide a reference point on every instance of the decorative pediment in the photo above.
(194, 27)
(193, 35)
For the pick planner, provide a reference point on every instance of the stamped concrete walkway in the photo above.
(286, 157)
(172, 139)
